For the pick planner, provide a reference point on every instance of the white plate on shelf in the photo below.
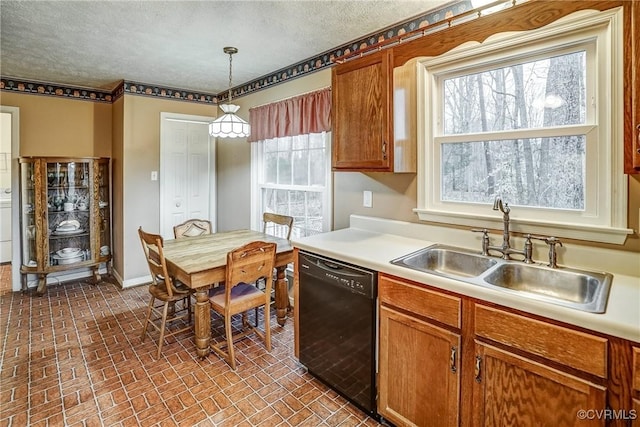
(70, 260)
(68, 225)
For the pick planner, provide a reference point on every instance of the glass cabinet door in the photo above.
(68, 212)
(28, 213)
(103, 180)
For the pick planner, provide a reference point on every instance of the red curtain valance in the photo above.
(303, 114)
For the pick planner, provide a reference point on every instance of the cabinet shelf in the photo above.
(68, 236)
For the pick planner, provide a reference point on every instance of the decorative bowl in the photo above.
(68, 252)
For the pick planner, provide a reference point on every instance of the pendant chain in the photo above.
(230, 59)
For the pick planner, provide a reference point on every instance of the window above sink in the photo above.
(535, 117)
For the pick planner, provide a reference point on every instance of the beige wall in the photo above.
(52, 126)
(138, 203)
(117, 186)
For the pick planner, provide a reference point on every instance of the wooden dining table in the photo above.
(200, 262)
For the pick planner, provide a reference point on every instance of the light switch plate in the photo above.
(154, 175)
(367, 199)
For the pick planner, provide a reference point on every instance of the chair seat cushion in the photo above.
(240, 292)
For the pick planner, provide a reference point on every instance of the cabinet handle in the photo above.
(478, 365)
(453, 360)
(638, 139)
(384, 150)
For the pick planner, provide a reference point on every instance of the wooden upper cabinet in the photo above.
(632, 87)
(362, 91)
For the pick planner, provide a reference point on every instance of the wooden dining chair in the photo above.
(192, 228)
(277, 224)
(245, 265)
(280, 226)
(163, 289)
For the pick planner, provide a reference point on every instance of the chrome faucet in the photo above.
(505, 249)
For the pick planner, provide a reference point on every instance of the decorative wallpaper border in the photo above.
(309, 65)
(144, 89)
(52, 89)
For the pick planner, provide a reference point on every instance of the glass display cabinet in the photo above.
(65, 215)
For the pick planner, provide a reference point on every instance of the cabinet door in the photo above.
(362, 94)
(632, 87)
(419, 379)
(102, 212)
(512, 390)
(69, 222)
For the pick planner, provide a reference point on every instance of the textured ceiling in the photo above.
(96, 44)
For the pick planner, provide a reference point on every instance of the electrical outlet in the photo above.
(367, 199)
(154, 175)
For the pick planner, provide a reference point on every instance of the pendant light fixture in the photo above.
(229, 125)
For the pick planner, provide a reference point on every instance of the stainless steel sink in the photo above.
(447, 261)
(565, 286)
(578, 289)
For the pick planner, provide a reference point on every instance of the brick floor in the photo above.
(74, 357)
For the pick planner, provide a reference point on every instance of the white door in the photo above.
(187, 171)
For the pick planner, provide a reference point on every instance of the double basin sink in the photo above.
(578, 289)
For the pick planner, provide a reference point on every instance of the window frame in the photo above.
(605, 218)
(257, 169)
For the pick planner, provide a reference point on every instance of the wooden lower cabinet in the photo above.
(419, 371)
(635, 388)
(512, 390)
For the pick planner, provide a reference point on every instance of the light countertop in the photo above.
(374, 249)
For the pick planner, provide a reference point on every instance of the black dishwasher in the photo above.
(337, 327)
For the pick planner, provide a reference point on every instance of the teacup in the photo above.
(82, 206)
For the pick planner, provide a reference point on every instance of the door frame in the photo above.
(16, 243)
(173, 117)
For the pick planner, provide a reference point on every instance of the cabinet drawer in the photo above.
(636, 369)
(575, 349)
(421, 301)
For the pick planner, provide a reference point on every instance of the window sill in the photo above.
(589, 233)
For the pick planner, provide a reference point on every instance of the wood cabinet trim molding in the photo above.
(636, 369)
(526, 16)
(574, 349)
(437, 306)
